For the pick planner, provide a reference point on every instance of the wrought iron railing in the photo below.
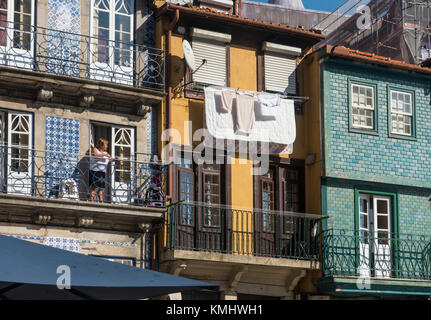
(76, 55)
(210, 228)
(382, 255)
(49, 174)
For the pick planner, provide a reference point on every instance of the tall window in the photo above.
(204, 183)
(268, 201)
(363, 107)
(16, 19)
(401, 113)
(113, 24)
(211, 196)
(186, 190)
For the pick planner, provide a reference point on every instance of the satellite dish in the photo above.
(189, 55)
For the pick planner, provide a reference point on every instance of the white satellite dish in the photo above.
(189, 55)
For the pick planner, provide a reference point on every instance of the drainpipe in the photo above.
(169, 86)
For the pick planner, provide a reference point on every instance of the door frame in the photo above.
(394, 223)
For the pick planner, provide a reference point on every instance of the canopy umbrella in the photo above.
(32, 271)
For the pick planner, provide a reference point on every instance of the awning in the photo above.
(29, 271)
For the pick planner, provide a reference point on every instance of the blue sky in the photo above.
(325, 5)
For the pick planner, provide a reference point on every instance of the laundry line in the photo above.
(299, 99)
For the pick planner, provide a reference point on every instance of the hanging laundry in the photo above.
(243, 114)
(268, 107)
(224, 126)
(226, 100)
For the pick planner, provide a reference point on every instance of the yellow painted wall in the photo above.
(309, 77)
(243, 62)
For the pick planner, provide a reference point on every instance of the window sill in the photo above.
(364, 131)
(402, 137)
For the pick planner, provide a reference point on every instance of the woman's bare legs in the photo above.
(92, 190)
(101, 194)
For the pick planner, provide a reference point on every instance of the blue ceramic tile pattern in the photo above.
(62, 149)
(68, 244)
(64, 24)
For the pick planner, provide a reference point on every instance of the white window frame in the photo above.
(372, 245)
(17, 57)
(400, 113)
(364, 107)
(111, 71)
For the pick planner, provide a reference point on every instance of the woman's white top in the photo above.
(99, 163)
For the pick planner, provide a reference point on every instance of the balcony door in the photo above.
(375, 236)
(17, 33)
(202, 225)
(122, 172)
(210, 216)
(120, 175)
(17, 171)
(112, 26)
(279, 234)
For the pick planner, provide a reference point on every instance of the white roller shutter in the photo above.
(280, 73)
(214, 71)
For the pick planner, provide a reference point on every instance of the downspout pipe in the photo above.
(168, 37)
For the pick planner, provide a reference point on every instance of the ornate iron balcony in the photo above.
(382, 255)
(213, 228)
(80, 56)
(48, 174)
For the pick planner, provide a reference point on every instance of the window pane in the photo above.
(364, 221)
(382, 222)
(23, 6)
(122, 23)
(363, 205)
(382, 206)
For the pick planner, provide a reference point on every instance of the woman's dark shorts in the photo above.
(97, 179)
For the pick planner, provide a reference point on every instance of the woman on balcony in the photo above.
(98, 164)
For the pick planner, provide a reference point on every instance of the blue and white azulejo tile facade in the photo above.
(63, 40)
(62, 149)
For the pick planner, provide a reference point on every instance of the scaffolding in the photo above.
(399, 29)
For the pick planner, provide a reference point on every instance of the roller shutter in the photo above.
(280, 73)
(214, 71)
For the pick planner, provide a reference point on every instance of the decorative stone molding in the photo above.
(45, 93)
(144, 110)
(84, 221)
(144, 226)
(86, 101)
(40, 218)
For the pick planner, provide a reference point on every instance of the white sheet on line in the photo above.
(220, 125)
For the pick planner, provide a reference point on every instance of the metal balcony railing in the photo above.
(49, 174)
(383, 255)
(211, 228)
(76, 55)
